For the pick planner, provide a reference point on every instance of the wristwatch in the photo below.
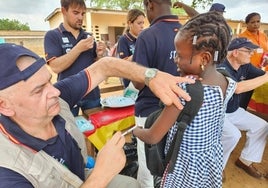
(150, 73)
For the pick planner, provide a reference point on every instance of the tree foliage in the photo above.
(129, 4)
(115, 4)
(7, 24)
(201, 3)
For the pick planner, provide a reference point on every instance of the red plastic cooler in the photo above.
(108, 121)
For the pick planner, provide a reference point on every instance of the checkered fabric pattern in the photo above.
(199, 162)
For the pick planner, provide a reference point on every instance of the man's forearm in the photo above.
(190, 11)
(110, 66)
(63, 62)
(163, 85)
(251, 84)
(96, 180)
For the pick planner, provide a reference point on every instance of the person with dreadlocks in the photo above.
(200, 44)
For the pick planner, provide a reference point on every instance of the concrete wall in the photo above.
(33, 40)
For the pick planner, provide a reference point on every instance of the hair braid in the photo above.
(210, 32)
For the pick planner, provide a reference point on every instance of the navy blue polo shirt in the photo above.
(62, 147)
(58, 42)
(126, 45)
(125, 48)
(155, 48)
(245, 72)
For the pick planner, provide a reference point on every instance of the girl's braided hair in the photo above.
(209, 32)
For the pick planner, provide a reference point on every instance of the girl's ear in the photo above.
(206, 58)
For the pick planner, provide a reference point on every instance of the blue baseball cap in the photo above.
(240, 43)
(9, 72)
(217, 7)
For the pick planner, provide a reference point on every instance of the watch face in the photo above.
(150, 73)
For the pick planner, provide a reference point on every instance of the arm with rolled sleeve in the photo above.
(59, 60)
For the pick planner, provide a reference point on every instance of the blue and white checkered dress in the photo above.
(199, 162)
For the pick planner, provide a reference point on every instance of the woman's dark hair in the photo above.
(209, 32)
(251, 15)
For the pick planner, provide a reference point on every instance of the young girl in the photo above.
(200, 44)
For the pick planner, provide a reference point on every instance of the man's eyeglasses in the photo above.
(247, 51)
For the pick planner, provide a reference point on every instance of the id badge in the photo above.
(259, 50)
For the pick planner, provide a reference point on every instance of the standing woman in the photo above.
(126, 43)
(259, 100)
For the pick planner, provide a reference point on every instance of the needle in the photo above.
(129, 130)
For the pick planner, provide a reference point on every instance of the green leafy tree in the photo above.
(115, 4)
(201, 3)
(129, 4)
(7, 24)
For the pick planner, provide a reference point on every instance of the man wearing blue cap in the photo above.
(217, 7)
(239, 68)
(40, 145)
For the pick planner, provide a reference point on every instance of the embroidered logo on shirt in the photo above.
(242, 78)
(65, 40)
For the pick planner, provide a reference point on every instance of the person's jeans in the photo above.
(84, 105)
